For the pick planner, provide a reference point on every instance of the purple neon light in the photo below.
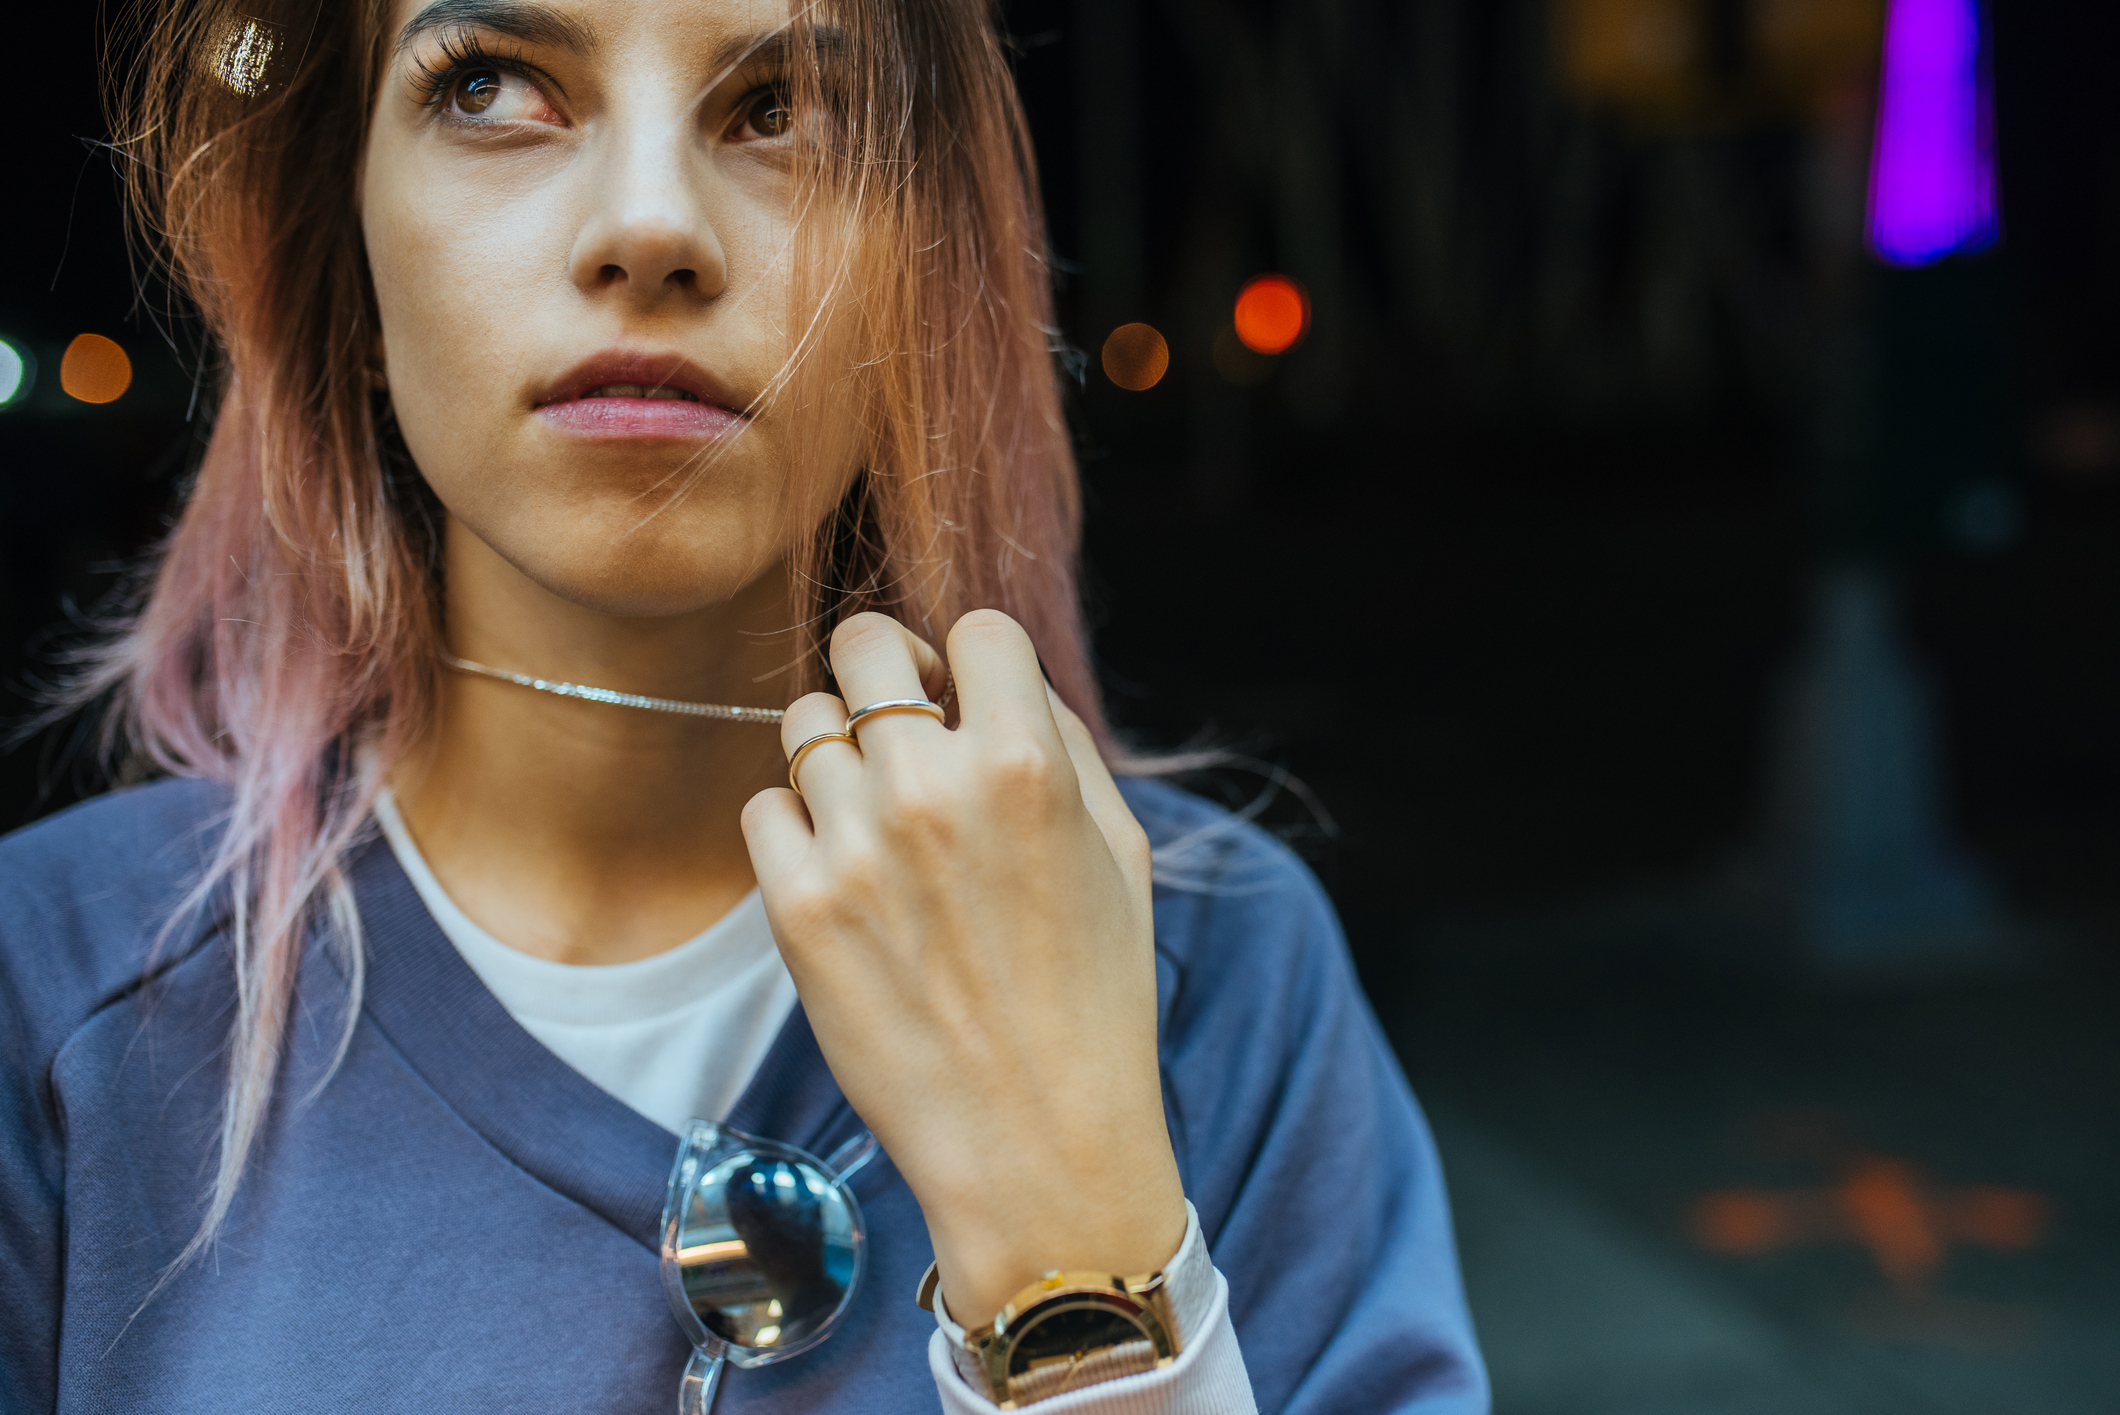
(1932, 169)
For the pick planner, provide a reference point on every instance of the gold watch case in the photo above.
(1068, 1330)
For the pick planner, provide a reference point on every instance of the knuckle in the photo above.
(1023, 770)
(865, 633)
(919, 811)
(987, 626)
(809, 715)
(805, 909)
(756, 813)
(859, 874)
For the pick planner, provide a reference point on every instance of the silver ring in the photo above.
(861, 715)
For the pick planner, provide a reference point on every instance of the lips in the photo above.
(645, 394)
(639, 390)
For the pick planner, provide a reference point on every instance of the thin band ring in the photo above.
(795, 757)
(861, 715)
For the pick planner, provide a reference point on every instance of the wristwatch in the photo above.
(1065, 1331)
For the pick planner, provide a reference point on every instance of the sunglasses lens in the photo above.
(767, 1246)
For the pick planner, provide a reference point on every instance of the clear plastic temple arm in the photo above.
(695, 1393)
(851, 1156)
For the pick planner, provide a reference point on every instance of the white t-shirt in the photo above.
(676, 1036)
(679, 1035)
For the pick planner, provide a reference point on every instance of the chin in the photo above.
(671, 565)
(655, 583)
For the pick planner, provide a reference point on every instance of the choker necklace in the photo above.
(765, 717)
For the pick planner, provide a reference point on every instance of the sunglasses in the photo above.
(762, 1248)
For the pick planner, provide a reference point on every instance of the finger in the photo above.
(877, 659)
(1100, 793)
(828, 771)
(999, 682)
(934, 673)
(777, 830)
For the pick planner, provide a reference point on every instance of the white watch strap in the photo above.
(1189, 1277)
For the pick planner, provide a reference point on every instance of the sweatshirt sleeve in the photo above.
(1207, 1378)
(1315, 1178)
(32, 1183)
(83, 895)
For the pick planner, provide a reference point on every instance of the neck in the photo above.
(580, 831)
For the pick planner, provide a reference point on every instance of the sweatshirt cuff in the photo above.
(1207, 1378)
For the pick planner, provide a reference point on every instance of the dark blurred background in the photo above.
(1693, 634)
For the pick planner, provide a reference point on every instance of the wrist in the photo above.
(986, 1252)
(1138, 1324)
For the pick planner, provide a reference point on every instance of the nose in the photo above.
(650, 238)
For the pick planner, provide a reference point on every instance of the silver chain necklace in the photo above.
(721, 712)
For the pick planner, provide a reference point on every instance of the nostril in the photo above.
(685, 278)
(610, 274)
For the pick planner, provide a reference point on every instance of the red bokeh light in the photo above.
(1272, 314)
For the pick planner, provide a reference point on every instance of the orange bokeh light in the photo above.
(95, 369)
(1887, 1206)
(1743, 1221)
(1136, 357)
(1273, 314)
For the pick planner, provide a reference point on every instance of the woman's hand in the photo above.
(966, 915)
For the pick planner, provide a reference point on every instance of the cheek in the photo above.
(451, 272)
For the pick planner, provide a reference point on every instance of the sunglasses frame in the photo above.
(707, 1145)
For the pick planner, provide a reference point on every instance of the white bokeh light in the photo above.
(15, 372)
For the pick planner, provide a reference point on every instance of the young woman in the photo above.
(696, 351)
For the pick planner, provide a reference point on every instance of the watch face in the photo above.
(1075, 1331)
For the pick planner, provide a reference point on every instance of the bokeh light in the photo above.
(18, 372)
(95, 369)
(1932, 166)
(1136, 357)
(1272, 314)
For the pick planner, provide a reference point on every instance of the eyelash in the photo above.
(460, 55)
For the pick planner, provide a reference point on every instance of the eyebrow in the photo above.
(828, 41)
(526, 20)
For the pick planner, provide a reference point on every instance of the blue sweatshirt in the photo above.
(457, 1220)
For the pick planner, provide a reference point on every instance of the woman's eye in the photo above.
(497, 96)
(767, 116)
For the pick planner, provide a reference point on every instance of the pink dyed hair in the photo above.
(292, 625)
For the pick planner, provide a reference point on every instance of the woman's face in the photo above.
(577, 217)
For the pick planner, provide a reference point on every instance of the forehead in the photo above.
(594, 29)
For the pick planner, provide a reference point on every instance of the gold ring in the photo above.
(861, 715)
(795, 757)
